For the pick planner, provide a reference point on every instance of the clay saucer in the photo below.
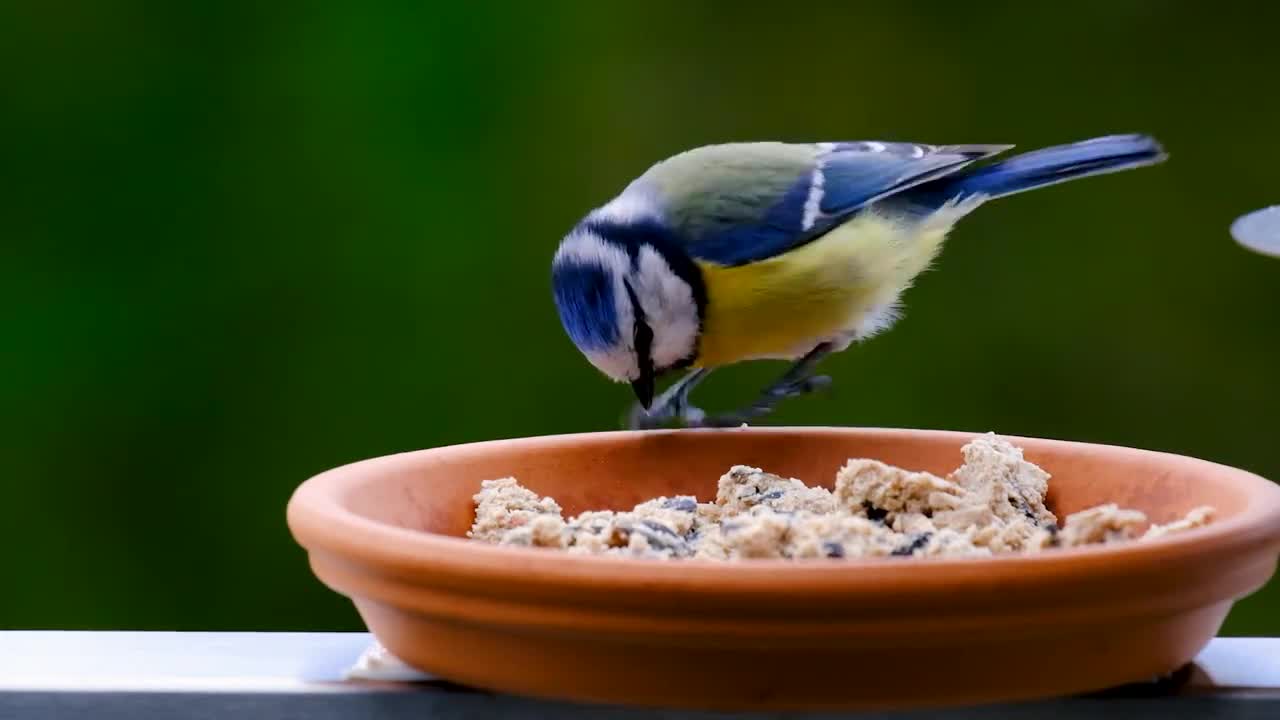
(774, 634)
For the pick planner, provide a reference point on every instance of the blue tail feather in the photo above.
(1039, 168)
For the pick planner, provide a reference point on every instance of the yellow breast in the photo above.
(825, 290)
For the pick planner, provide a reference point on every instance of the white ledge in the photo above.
(249, 675)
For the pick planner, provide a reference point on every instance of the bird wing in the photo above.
(739, 203)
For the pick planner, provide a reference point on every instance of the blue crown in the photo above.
(584, 297)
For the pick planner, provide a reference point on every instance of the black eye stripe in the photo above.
(643, 333)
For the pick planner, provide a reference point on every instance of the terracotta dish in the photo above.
(875, 633)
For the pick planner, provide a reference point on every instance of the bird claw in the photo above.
(673, 405)
(640, 419)
(803, 386)
(768, 401)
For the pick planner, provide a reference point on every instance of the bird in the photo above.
(748, 251)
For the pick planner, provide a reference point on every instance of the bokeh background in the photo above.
(241, 243)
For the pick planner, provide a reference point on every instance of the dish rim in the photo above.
(320, 522)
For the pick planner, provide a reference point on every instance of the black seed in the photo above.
(660, 536)
(659, 527)
(1023, 507)
(833, 549)
(683, 503)
(873, 512)
(917, 542)
(774, 495)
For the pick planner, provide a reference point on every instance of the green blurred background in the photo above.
(243, 243)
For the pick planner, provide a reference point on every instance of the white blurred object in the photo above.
(1259, 231)
(377, 663)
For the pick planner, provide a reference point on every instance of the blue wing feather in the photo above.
(850, 177)
(1038, 168)
(742, 241)
(856, 177)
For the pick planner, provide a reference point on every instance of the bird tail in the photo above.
(1053, 165)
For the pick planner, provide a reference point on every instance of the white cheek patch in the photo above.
(669, 308)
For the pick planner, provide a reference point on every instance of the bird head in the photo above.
(629, 298)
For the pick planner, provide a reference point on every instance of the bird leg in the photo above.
(672, 404)
(795, 382)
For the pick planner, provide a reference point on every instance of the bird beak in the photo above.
(644, 389)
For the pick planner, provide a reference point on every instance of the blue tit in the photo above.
(778, 251)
